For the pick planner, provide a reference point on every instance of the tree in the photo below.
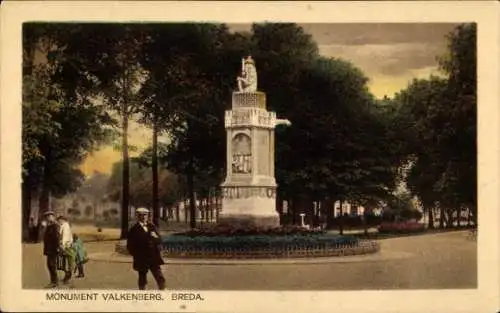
(440, 117)
(88, 210)
(459, 181)
(339, 159)
(107, 55)
(51, 152)
(187, 86)
(141, 184)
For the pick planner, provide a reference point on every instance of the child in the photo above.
(81, 255)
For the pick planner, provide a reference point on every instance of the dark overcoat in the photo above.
(144, 248)
(51, 239)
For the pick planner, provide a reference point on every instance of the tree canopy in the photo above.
(178, 78)
(439, 116)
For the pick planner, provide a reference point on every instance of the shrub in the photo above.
(373, 220)
(411, 214)
(401, 227)
(88, 210)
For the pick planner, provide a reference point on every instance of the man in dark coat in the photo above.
(143, 244)
(51, 240)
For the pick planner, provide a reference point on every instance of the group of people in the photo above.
(143, 244)
(63, 249)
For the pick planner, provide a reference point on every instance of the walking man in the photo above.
(143, 244)
(51, 239)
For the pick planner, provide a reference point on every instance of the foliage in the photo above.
(141, 182)
(51, 152)
(400, 227)
(439, 120)
(368, 220)
(178, 79)
(188, 85)
(60, 124)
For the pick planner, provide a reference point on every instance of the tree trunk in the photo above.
(192, 198)
(125, 175)
(217, 209)
(26, 211)
(177, 212)
(206, 209)
(366, 211)
(448, 218)
(327, 207)
(291, 211)
(43, 200)
(154, 166)
(431, 219)
(441, 218)
(341, 218)
(279, 208)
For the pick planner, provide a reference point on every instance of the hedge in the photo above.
(401, 227)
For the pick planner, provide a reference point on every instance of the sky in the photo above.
(390, 55)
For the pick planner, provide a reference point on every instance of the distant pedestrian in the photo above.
(80, 255)
(66, 247)
(143, 244)
(51, 242)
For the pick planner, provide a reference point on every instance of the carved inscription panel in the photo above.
(263, 152)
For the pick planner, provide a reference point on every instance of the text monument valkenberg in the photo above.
(250, 186)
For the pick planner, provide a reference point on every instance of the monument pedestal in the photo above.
(249, 206)
(249, 191)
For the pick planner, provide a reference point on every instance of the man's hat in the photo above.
(142, 211)
(49, 213)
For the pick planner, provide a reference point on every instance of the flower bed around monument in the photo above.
(223, 242)
(252, 242)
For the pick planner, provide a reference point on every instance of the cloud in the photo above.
(386, 59)
(378, 33)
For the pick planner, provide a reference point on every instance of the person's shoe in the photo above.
(51, 285)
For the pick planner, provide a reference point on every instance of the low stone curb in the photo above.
(292, 252)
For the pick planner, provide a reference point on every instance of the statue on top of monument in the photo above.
(247, 82)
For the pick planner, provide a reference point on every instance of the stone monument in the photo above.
(249, 190)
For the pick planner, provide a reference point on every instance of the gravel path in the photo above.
(447, 260)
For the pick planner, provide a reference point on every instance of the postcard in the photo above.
(249, 156)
